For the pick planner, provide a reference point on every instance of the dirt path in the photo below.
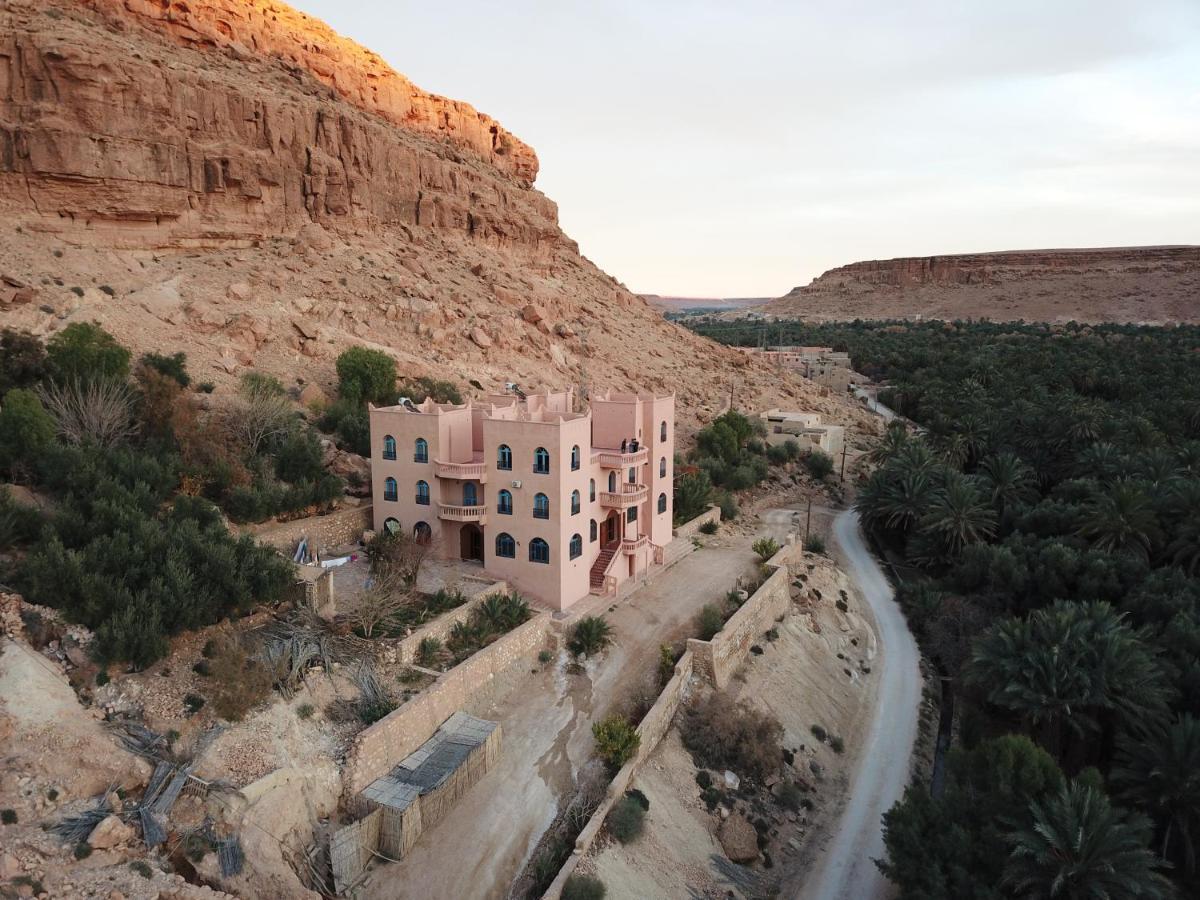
(482, 845)
(846, 869)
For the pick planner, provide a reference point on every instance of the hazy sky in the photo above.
(741, 148)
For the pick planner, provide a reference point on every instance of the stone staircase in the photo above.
(600, 569)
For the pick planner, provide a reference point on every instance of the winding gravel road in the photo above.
(846, 868)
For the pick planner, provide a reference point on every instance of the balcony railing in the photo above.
(632, 545)
(472, 471)
(615, 459)
(452, 513)
(629, 495)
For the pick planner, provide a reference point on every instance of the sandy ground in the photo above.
(802, 680)
(483, 844)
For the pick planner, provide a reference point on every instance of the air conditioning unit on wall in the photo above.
(516, 484)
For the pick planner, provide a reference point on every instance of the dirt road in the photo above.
(846, 869)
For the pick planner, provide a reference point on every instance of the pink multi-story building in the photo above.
(555, 501)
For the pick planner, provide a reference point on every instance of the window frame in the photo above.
(391, 490)
(575, 548)
(538, 542)
(540, 454)
(389, 447)
(502, 508)
(511, 543)
(421, 450)
(504, 458)
(541, 506)
(422, 497)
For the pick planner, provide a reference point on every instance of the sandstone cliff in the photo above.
(1123, 284)
(232, 179)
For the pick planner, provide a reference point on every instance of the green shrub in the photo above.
(18, 523)
(704, 779)
(22, 360)
(819, 464)
(709, 622)
(206, 387)
(52, 794)
(371, 711)
(666, 663)
(693, 493)
(729, 507)
(366, 376)
(616, 740)
(627, 820)
(639, 797)
(765, 547)
(814, 544)
(583, 887)
(82, 850)
(193, 703)
(837, 744)
(8, 816)
(819, 733)
(590, 635)
(544, 656)
(173, 366)
(84, 351)
(790, 795)
(710, 527)
(723, 735)
(26, 430)
(299, 458)
(102, 678)
(428, 651)
(142, 868)
(202, 668)
(260, 384)
(420, 389)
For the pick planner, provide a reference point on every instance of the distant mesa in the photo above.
(1156, 285)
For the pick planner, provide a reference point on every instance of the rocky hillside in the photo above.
(1124, 284)
(237, 181)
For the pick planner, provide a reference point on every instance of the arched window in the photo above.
(591, 490)
(574, 503)
(593, 531)
(421, 450)
(506, 546)
(541, 461)
(612, 482)
(422, 533)
(389, 447)
(541, 506)
(504, 503)
(504, 458)
(662, 468)
(470, 497)
(423, 493)
(389, 489)
(575, 458)
(539, 551)
(576, 546)
(662, 503)
(662, 431)
(391, 525)
(633, 474)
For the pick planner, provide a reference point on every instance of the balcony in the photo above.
(615, 459)
(632, 545)
(452, 513)
(472, 471)
(629, 495)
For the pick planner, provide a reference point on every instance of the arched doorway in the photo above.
(612, 529)
(391, 525)
(470, 542)
(422, 533)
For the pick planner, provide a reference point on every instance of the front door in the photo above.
(471, 543)
(612, 527)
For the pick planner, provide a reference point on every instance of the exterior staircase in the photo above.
(600, 569)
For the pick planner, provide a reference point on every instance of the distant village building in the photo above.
(559, 503)
(823, 365)
(804, 428)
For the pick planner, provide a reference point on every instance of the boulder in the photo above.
(312, 395)
(533, 314)
(109, 833)
(731, 780)
(480, 337)
(738, 839)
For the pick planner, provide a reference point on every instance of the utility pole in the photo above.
(842, 475)
(807, 521)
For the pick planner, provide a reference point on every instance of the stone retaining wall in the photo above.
(380, 747)
(440, 628)
(692, 526)
(653, 728)
(324, 533)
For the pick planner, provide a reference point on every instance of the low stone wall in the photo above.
(325, 533)
(440, 628)
(380, 747)
(719, 658)
(652, 729)
(692, 527)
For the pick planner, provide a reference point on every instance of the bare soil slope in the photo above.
(237, 181)
(1122, 284)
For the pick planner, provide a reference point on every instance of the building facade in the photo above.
(823, 365)
(805, 429)
(560, 503)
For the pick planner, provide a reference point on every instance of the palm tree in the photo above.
(1080, 847)
(1070, 671)
(1123, 520)
(957, 516)
(1160, 771)
(1007, 481)
(894, 439)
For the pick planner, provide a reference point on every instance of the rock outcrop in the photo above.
(233, 180)
(1124, 284)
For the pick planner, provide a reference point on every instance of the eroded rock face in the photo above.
(155, 124)
(1139, 284)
